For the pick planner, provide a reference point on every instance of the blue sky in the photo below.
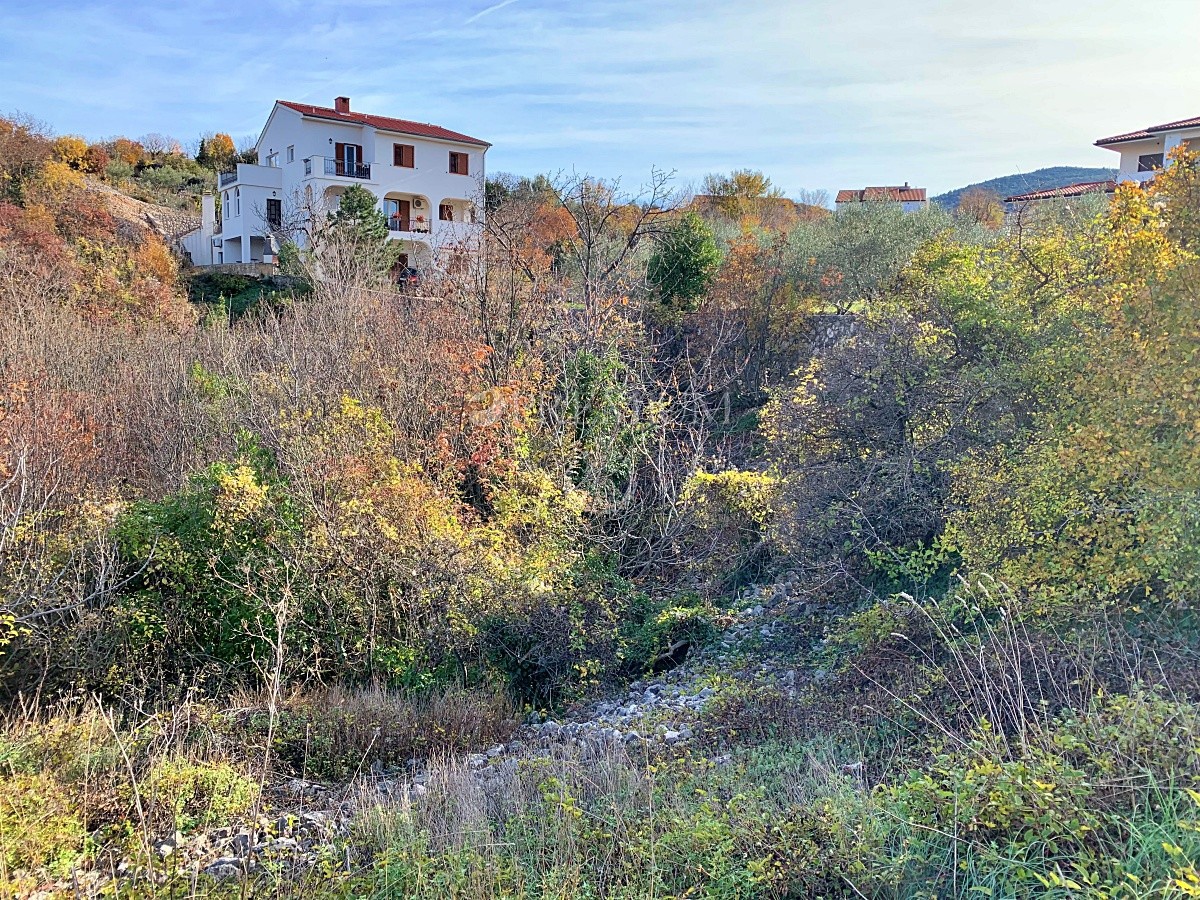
(816, 93)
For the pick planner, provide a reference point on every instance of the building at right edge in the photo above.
(1148, 150)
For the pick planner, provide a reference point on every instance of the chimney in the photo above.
(208, 213)
(342, 104)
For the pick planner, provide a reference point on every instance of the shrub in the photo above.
(118, 170)
(39, 824)
(192, 794)
(337, 732)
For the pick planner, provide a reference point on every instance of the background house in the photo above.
(910, 198)
(1018, 201)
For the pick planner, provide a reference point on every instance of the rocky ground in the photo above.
(311, 824)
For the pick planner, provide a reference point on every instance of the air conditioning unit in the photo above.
(418, 203)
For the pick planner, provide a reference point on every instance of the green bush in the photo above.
(193, 794)
(40, 826)
(205, 564)
(659, 633)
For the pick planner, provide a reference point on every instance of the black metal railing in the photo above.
(347, 170)
(228, 177)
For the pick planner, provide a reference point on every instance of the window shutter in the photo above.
(339, 150)
(446, 212)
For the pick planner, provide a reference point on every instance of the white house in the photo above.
(911, 199)
(1149, 149)
(428, 181)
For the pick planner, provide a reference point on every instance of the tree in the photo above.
(601, 250)
(685, 263)
(735, 194)
(161, 144)
(24, 147)
(864, 437)
(129, 152)
(358, 213)
(216, 152)
(983, 207)
(357, 236)
(71, 150)
(1098, 506)
(96, 159)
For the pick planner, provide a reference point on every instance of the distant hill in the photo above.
(1039, 180)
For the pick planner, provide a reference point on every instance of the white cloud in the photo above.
(491, 9)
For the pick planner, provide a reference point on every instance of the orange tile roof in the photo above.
(384, 123)
(902, 194)
(1070, 190)
(1149, 132)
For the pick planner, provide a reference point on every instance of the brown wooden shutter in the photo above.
(402, 155)
(339, 151)
(446, 212)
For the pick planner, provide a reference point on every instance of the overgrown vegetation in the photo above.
(345, 529)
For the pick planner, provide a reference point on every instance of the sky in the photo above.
(818, 94)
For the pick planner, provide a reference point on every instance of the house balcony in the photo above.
(336, 168)
(398, 224)
(251, 175)
(1139, 177)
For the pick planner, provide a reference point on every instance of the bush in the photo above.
(40, 825)
(193, 794)
(118, 170)
(338, 732)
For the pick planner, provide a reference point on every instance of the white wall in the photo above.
(1164, 144)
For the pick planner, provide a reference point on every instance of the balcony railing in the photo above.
(397, 223)
(228, 177)
(347, 170)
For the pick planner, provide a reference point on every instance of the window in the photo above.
(275, 213)
(446, 212)
(404, 155)
(458, 163)
(1149, 162)
(291, 153)
(237, 201)
(349, 160)
(399, 214)
(273, 160)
